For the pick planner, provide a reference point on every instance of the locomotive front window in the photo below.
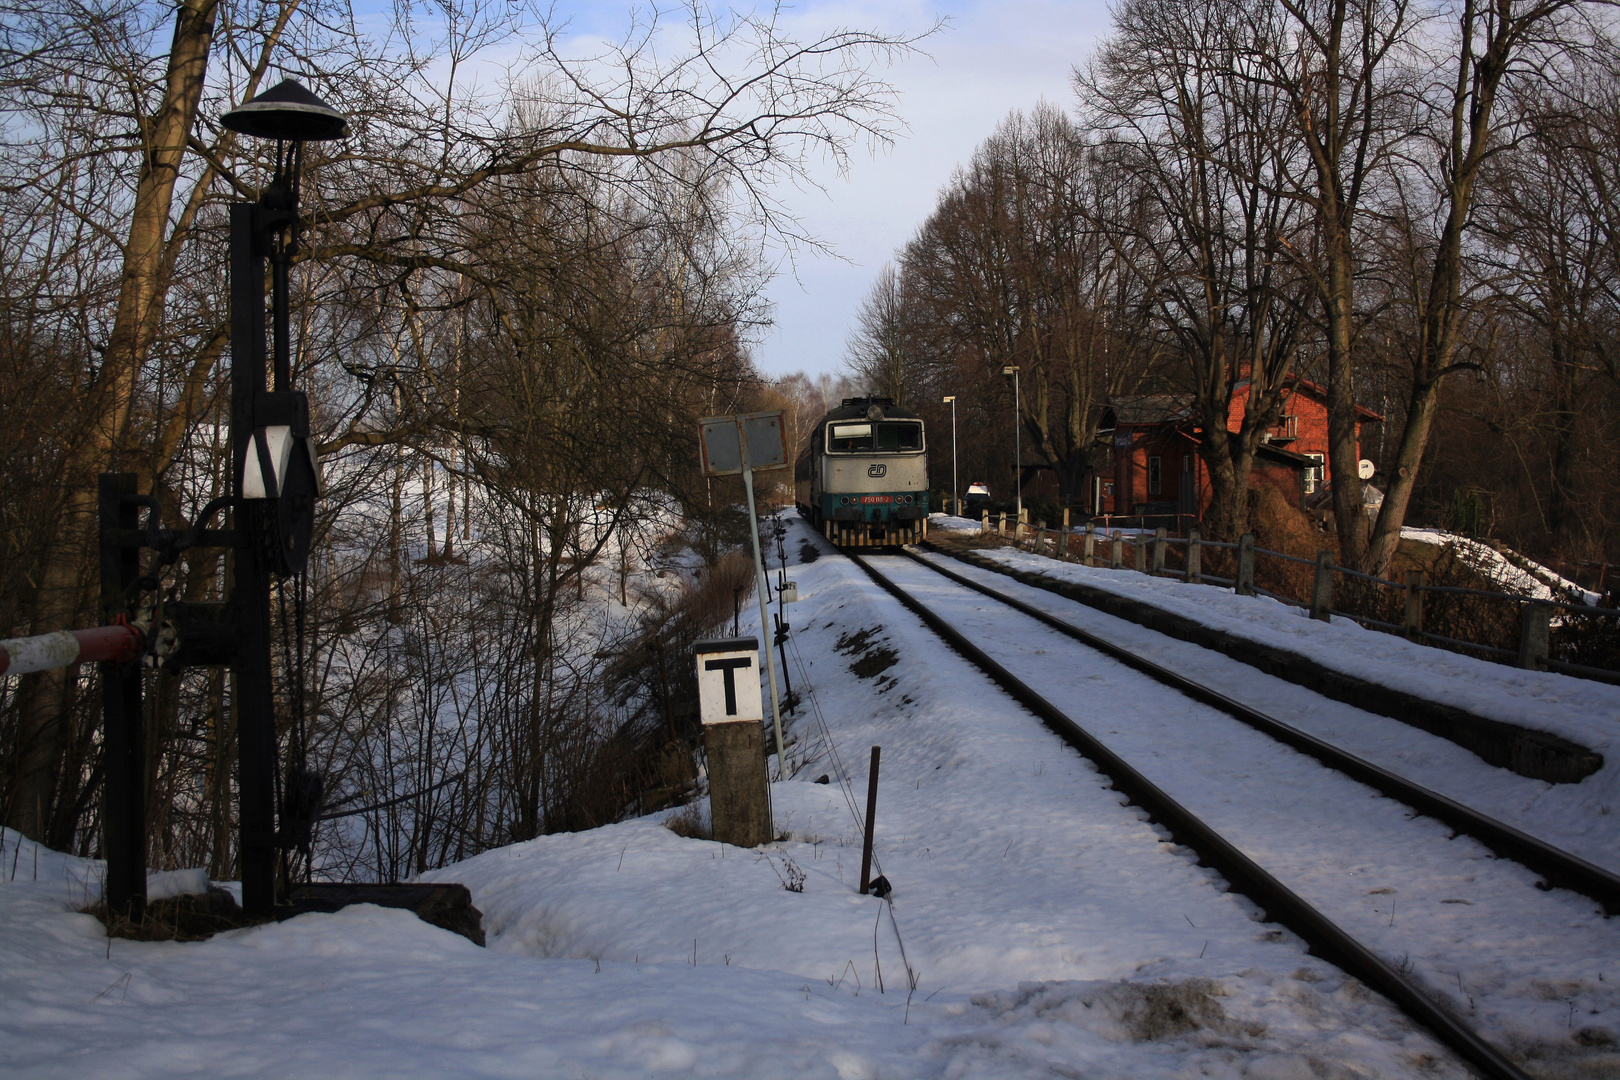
(847, 437)
(892, 435)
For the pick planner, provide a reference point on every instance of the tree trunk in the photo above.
(40, 727)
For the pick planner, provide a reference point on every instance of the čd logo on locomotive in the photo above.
(876, 470)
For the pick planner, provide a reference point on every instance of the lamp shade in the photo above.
(290, 112)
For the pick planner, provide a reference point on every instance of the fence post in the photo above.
(1089, 552)
(1244, 585)
(1195, 556)
(1412, 624)
(1158, 553)
(1020, 526)
(1322, 587)
(1141, 553)
(1001, 523)
(984, 523)
(1535, 628)
(1063, 537)
(1117, 555)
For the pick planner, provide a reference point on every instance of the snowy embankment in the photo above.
(1046, 930)
(1511, 572)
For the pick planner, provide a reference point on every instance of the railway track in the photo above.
(1280, 903)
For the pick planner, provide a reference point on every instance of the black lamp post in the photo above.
(275, 477)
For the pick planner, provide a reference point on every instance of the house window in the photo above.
(1155, 475)
(1315, 474)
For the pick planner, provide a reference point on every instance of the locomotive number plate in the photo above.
(870, 499)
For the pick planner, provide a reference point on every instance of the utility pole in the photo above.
(1018, 443)
(956, 490)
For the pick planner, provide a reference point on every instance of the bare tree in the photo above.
(1493, 44)
(1210, 152)
(744, 105)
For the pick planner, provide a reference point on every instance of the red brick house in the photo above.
(1156, 471)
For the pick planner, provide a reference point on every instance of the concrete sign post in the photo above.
(744, 443)
(734, 739)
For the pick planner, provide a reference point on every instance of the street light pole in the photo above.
(956, 490)
(274, 481)
(1018, 442)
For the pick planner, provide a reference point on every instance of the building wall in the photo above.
(1179, 463)
(1309, 429)
(1134, 473)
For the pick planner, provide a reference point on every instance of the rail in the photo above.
(1535, 645)
(1279, 903)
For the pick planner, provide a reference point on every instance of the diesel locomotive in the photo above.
(862, 478)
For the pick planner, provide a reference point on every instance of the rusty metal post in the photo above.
(1412, 624)
(1322, 587)
(871, 818)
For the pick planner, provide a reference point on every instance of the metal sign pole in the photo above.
(763, 588)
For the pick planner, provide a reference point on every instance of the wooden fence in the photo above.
(1544, 635)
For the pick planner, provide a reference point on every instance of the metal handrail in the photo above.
(1365, 620)
(1142, 539)
(1283, 555)
(1579, 609)
(1374, 578)
(1280, 598)
(1464, 644)
(1607, 675)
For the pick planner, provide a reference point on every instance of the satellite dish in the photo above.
(1365, 470)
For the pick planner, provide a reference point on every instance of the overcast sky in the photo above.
(991, 59)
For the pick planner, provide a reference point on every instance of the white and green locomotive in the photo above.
(862, 478)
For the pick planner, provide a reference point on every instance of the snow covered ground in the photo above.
(1513, 573)
(1037, 929)
(1476, 931)
(1581, 710)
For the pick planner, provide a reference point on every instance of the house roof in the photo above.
(1151, 408)
(1298, 461)
(1319, 392)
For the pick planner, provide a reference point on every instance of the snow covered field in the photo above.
(1037, 928)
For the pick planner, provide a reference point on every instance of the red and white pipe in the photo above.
(115, 644)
